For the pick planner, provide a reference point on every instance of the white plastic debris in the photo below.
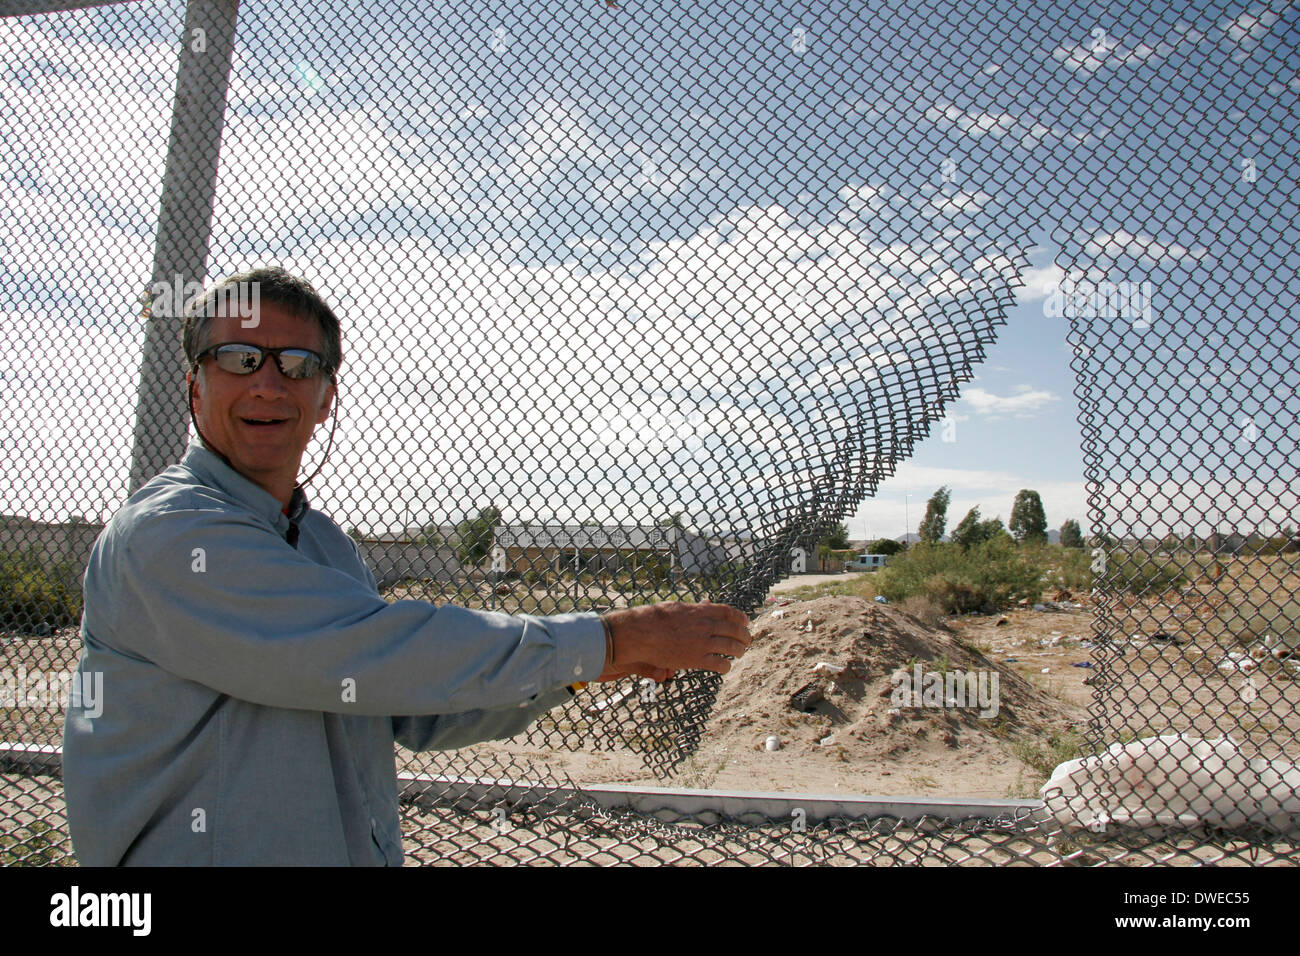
(1176, 779)
(828, 667)
(1236, 661)
(1047, 670)
(772, 743)
(827, 740)
(777, 615)
(612, 701)
(808, 626)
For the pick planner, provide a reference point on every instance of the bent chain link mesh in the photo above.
(639, 300)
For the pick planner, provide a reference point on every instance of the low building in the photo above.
(609, 549)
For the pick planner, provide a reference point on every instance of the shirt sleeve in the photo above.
(217, 598)
(450, 731)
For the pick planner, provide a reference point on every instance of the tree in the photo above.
(476, 535)
(884, 546)
(969, 531)
(430, 535)
(838, 539)
(936, 515)
(1071, 536)
(824, 553)
(1028, 521)
(993, 528)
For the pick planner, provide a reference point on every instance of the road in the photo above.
(803, 580)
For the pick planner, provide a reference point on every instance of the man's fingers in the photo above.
(726, 646)
(724, 614)
(719, 665)
(718, 620)
(672, 636)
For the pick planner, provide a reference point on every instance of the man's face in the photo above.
(228, 406)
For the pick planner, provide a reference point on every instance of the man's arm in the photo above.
(213, 598)
(653, 641)
(450, 731)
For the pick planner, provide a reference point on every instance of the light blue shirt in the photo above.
(248, 687)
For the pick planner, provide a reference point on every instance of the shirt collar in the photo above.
(215, 472)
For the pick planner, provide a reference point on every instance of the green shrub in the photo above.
(884, 546)
(1073, 567)
(32, 594)
(989, 576)
(1140, 573)
(1046, 756)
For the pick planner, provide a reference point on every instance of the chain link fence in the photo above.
(639, 302)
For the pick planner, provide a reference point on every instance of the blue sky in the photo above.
(779, 227)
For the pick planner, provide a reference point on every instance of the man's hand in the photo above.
(657, 640)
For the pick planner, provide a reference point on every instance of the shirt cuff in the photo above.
(579, 646)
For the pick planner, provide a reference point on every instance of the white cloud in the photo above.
(1025, 401)
(85, 134)
(1020, 125)
(1240, 34)
(1141, 247)
(463, 366)
(1246, 30)
(741, 304)
(1039, 282)
(1103, 48)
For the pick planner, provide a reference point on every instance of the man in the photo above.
(251, 672)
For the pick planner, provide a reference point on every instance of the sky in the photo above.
(720, 259)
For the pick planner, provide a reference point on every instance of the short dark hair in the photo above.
(273, 285)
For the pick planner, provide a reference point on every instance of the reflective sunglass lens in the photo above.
(240, 361)
(247, 359)
(296, 364)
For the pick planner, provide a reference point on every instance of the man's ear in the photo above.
(327, 401)
(192, 394)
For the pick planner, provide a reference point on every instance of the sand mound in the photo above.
(775, 688)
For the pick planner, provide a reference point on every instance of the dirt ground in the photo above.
(1162, 665)
(854, 739)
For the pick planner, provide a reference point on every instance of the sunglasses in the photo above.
(239, 358)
